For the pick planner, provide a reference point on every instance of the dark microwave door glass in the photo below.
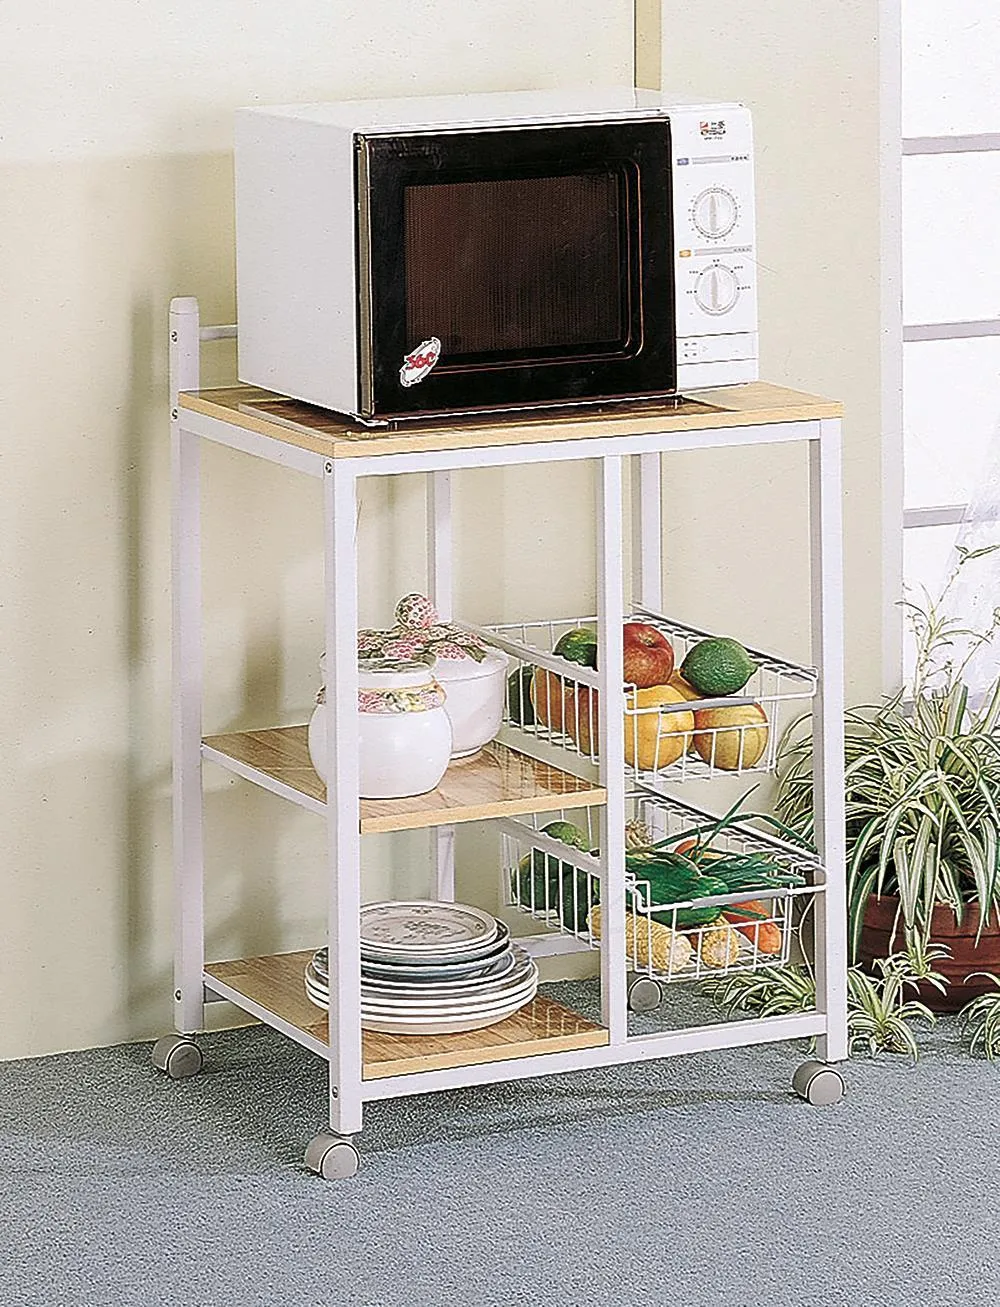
(540, 259)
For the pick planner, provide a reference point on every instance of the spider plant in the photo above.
(980, 1020)
(879, 1015)
(922, 783)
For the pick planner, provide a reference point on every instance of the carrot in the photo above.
(752, 918)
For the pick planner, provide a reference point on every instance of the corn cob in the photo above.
(637, 834)
(648, 943)
(719, 947)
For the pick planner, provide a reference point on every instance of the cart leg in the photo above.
(647, 537)
(444, 861)
(610, 607)
(189, 944)
(440, 556)
(828, 735)
(342, 811)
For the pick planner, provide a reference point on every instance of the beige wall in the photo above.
(117, 194)
(116, 185)
(810, 74)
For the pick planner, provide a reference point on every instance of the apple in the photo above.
(648, 655)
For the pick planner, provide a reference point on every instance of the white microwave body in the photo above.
(350, 217)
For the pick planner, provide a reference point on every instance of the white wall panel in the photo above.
(951, 414)
(951, 253)
(951, 67)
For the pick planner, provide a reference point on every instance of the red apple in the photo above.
(649, 655)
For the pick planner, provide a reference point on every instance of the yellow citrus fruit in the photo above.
(731, 738)
(654, 740)
(683, 688)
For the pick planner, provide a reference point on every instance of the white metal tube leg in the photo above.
(186, 678)
(440, 556)
(343, 832)
(828, 734)
(647, 541)
(610, 607)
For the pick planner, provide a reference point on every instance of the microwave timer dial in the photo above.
(715, 212)
(716, 289)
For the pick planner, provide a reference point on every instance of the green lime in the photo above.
(718, 666)
(578, 646)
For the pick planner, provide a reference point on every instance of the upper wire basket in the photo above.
(552, 705)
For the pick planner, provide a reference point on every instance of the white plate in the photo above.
(393, 956)
(433, 1005)
(510, 975)
(424, 927)
(450, 1026)
(429, 975)
(445, 1007)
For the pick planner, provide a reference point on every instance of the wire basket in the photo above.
(551, 710)
(693, 939)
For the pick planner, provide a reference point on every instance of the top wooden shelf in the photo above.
(335, 436)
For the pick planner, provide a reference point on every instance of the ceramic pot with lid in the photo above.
(404, 733)
(475, 698)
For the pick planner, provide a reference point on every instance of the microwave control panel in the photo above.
(715, 258)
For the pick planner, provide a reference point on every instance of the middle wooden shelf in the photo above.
(496, 782)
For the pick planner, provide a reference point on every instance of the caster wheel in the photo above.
(332, 1156)
(178, 1056)
(644, 995)
(818, 1084)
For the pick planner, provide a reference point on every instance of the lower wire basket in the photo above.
(693, 938)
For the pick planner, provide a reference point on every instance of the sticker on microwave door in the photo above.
(712, 130)
(419, 362)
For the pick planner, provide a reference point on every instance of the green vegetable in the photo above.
(673, 878)
(547, 885)
(519, 705)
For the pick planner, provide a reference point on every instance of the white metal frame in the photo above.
(340, 479)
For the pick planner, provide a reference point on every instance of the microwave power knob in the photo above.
(715, 212)
(716, 290)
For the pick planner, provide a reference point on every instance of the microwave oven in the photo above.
(416, 257)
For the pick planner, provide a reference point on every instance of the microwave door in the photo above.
(515, 267)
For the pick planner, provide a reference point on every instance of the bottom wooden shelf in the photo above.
(273, 985)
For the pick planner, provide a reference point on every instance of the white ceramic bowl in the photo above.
(399, 753)
(475, 698)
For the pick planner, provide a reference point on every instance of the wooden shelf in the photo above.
(335, 436)
(274, 986)
(496, 782)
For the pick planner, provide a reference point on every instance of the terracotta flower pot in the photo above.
(965, 955)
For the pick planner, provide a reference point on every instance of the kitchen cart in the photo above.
(532, 771)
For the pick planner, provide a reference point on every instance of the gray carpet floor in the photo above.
(697, 1181)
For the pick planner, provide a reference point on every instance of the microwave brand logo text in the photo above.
(419, 362)
(712, 130)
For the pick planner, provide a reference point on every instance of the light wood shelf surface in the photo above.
(543, 1026)
(336, 436)
(496, 782)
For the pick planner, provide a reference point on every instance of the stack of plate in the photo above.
(430, 968)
